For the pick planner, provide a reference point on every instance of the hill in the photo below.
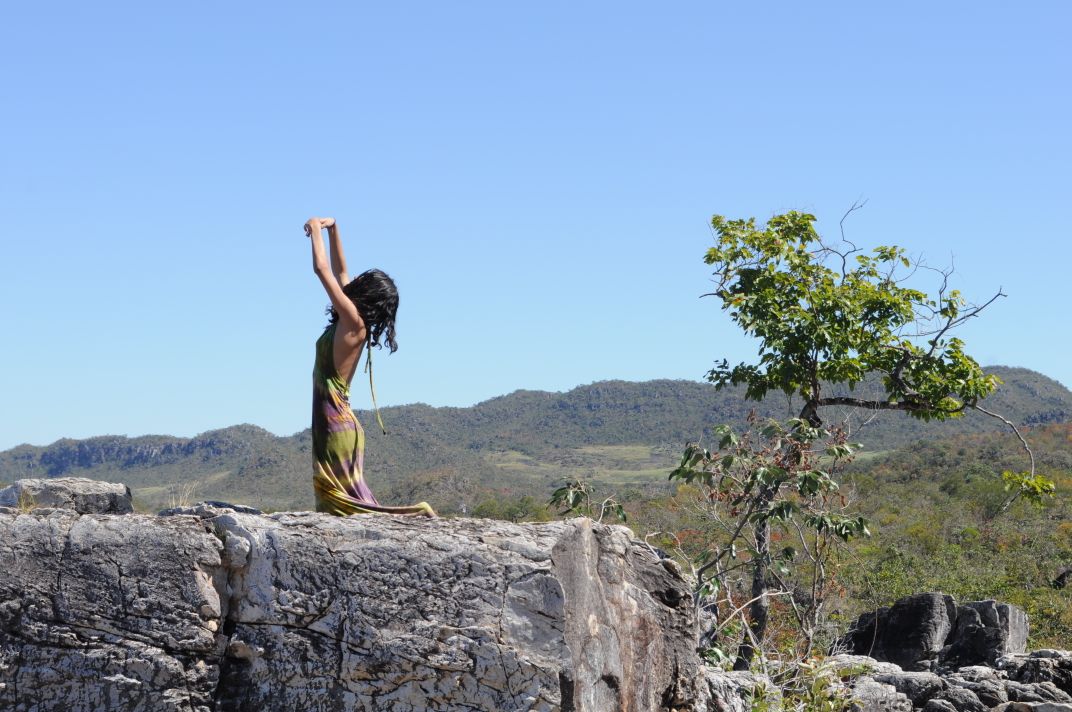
(613, 432)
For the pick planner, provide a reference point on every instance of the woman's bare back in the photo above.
(349, 343)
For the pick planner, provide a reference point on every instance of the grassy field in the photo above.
(610, 464)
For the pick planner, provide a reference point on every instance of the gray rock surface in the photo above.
(990, 691)
(939, 706)
(733, 691)
(107, 612)
(1035, 692)
(76, 493)
(909, 633)
(962, 699)
(919, 687)
(215, 609)
(873, 696)
(985, 631)
(1041, 666)
(845, 661)
(928, 631)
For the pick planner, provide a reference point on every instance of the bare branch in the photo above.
(768, 594)
(856, 205)
(1012, 426)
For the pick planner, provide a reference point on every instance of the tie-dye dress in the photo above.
(339, 443)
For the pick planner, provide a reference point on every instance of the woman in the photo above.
(362, 312)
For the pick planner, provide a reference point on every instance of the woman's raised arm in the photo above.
(329, 274)
(338, 259)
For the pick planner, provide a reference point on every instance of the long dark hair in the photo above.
(376, 298)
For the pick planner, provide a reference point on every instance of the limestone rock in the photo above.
(76, 493)
(963, 700)
(873, 696)
(919, 687)
(989, 689)
(909, 633)
(864, 663)
(215, 609)
(1053, 666)
(734, 691)
(984, 631)
(927, 631)
(939, 706)
(1035, 692)
(107, 612)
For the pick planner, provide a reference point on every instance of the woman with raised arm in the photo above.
(362, 312)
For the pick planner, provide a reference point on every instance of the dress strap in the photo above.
(372, 386)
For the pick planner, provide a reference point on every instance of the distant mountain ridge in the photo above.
(517, 442)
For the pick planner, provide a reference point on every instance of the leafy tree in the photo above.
(828, 315)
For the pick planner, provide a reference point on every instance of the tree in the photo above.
(828, 315)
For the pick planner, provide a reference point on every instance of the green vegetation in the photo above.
(578, 497)
(772, 480)
(826, 314)
(621, 437)
(936, 511)
(933, 508)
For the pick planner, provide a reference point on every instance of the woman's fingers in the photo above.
(317, 224)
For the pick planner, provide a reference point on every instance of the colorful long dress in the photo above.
(339, 443)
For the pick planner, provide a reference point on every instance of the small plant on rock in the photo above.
(578, 496)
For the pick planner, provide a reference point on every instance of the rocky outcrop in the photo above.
(220, 608)
(977, 688)
(1043, 669)
(209, 608)
(75, 493)
(103, 612)
(927, 631)
(955, 658)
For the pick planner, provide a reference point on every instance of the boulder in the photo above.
(862, 664)
(963, 700)
(911, 633)
(927, 631)
(985, 631)
(1036, 692)
(872, 696)
(215, 609)
(108, 612)
(734, 691)
(75, 493)
(990, 690)
(919, 687)
(939, 706)
(1041, 666)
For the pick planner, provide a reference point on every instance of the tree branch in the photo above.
(1030, 454)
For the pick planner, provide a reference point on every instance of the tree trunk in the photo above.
(759, 609)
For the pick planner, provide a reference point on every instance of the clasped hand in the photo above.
(313, 226)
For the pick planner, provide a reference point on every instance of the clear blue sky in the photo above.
(538, 177)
